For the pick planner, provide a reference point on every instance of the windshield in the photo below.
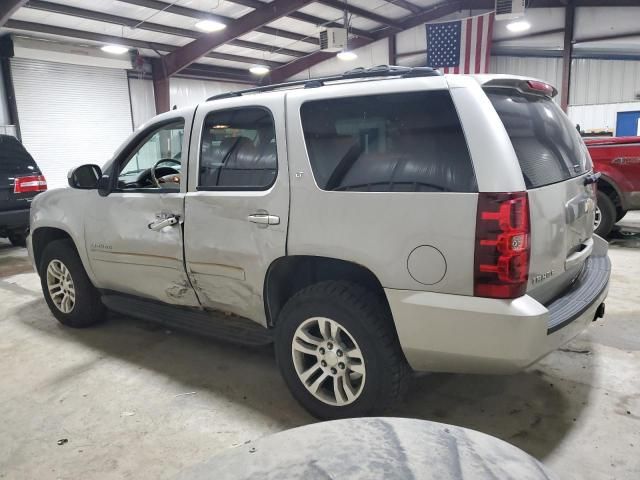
(548, 146)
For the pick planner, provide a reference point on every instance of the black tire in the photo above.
(369, 322)
(18, 239)
(620, 213)
(607, 215)
(88, 309)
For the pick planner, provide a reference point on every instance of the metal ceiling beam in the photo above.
(130, 42)
(200, 15)
(411, 7)
(188, 54)
(305, 17)
(8, 8)
(149, 26)
(530, 35)
(437, 11)
(361, 12)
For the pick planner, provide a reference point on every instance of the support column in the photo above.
(393, 53)
(570, 12)
(161, 90)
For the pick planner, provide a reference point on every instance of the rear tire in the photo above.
(605, 215)
(355, 367)
(69, 293)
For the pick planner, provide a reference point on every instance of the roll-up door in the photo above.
(70, 114)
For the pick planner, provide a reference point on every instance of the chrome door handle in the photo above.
(163, 222)
(264, 219)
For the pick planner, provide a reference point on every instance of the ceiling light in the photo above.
(116, 49)
(347, 55)
(259, 70)
(210, 26)
(518, 26)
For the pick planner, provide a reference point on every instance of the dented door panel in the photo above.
(228, 246)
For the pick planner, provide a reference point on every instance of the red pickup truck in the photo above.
(618, 160)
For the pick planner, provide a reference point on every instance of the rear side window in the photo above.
(547, 144)
(238, 150)
(401, 142)
(14, 158)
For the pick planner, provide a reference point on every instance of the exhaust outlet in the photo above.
(599, 312)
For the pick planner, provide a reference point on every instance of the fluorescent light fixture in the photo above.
(210, 26)
(347, 55)
(518, 26)
(115, 49)
(259, 70)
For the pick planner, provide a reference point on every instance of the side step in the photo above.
(214, 324)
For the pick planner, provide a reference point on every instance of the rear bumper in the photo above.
(454, 333)
(14, 220)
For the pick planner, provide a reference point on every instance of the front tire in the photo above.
(338, 351)
(605, 216)
(69, 293)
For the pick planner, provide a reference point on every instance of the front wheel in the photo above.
(338, 351)
(69, 293)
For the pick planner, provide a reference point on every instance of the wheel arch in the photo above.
(290, 274)
(42, 236)
(608, 186)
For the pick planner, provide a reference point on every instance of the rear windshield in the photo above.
(14, 158)
(548, 145)
(400, 142)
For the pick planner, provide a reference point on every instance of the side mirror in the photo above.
(104, 185)
(85, 177)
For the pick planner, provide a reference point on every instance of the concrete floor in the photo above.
(133, 400)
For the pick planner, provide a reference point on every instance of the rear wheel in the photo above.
(69, 293)
(338, 351)
(605, 215)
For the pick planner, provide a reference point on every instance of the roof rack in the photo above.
(356, 73)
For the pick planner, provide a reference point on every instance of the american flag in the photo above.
(461, 46)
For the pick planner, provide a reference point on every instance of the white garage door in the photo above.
(70, 114)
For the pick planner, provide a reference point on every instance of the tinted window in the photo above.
(14, 158)
(238, 150)
(548, 146)
(406, 142)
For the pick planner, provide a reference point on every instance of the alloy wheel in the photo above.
(328, 361)
(60, 285)
(597, 218)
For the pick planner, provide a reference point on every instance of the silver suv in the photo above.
(370, 224)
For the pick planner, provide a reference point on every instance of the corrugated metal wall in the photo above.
(604, 81)
(185, 92)
(70, 114)
(547, 69)
(600, 117)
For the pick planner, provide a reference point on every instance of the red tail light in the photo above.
(502, 245)
(30, 183)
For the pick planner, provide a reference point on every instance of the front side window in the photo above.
(238, 150)
(401, 142)
(156, 162)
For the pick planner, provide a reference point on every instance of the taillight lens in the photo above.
(502, 245)
(30, 183)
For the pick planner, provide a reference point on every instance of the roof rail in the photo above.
(356, 73)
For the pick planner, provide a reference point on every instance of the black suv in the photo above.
(20, 181)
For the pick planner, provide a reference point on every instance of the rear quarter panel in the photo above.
(619, 163)
(374, 229)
